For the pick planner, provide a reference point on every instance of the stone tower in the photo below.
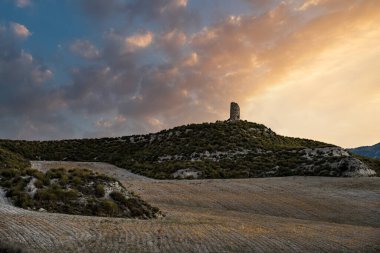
(234, 112)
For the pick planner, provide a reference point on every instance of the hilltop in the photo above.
(225, 149)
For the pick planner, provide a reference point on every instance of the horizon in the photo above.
(93, 68)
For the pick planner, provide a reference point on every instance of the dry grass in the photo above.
(293, 214)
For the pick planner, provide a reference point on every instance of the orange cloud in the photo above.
(140, 40)
(20, 30)
(245, 58)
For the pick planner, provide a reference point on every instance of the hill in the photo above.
(223, 149)
(369, 151)
(74, 191)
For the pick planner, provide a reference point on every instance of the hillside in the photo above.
(237, 149)
(75, 191)
(369, 151)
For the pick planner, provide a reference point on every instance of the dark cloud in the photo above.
(152, 77)
(233, 59)
(28, 107)
(168, 14)
(100, 9)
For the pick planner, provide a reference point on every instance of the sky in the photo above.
(97, 68)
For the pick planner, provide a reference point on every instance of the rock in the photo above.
(42, 210)
(356, 168)
(187, 174)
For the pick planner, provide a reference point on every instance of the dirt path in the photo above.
(292, 214)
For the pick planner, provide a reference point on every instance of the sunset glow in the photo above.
(92, 68)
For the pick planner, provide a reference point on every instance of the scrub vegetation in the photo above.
(214, 150)
(74, 191)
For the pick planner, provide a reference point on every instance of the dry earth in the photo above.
(291, 214)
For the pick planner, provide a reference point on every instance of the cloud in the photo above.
(139, 40)
(235, 58)
(307, 4)
(29, 108)
(157, 72)
(23, 3)
(20, 30)
(172, 43)
(170, 14)
(100, 9)
(85, 49)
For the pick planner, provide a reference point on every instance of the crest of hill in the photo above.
(369, 151)
(210, 150)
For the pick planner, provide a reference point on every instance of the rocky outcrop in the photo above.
(326, 161)
(355, 168)
(187, 174)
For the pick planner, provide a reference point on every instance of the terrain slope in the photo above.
(287, 214)
(238, 149)
(369, 151)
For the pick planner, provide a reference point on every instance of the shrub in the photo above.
(108, 207)
(118, 197)
(77, 180)
(45, 195)
(68, 195)
(35, 173)
(38, 183)
(22, 200)
(99, 191)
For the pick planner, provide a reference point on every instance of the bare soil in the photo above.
(288, 214)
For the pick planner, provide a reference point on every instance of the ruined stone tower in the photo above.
(234, 112)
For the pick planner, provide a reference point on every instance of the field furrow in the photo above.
(294, 214)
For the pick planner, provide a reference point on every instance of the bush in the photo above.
(45, 195)
(22, 199)
(77, 180)
(99, 191)
(108, 207)
(119, 197)
(9, 173)
(38, 183)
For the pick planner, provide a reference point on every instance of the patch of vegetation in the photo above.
(267, 154)
(7, 248)
(372, 163)
(75, 191)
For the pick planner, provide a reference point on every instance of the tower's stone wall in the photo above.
(234, 112)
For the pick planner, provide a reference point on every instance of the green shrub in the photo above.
(108, 207)
(46, 195)
(77, 180)
(118, 197)
(9, 173)
(38, 183)
(22, 199)
(99, 191)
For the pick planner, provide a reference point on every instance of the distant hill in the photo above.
(238, 149)
(369, 151)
